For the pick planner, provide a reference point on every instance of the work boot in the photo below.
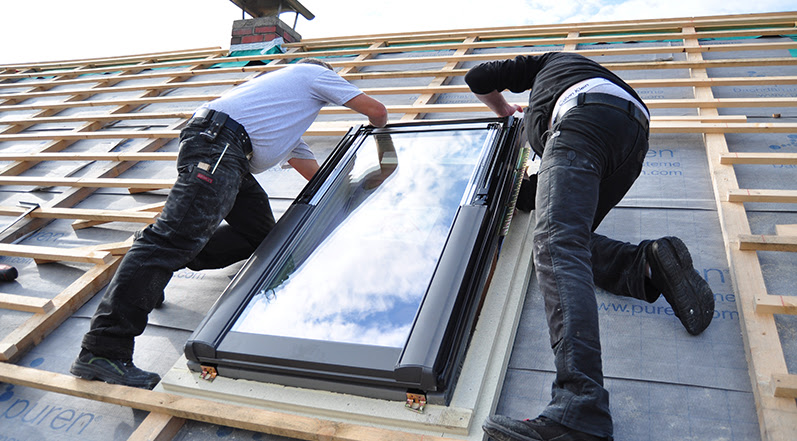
(501, 428)
(673, 275)
(90, 367)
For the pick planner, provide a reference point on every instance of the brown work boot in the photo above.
(674, 276)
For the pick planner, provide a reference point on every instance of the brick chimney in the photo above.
(265, 24)
(262, 30)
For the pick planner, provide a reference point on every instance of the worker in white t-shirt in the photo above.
(249, 129)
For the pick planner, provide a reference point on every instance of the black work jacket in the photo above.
(547, 75)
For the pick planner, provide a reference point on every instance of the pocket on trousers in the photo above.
(202, 175)
(193, 208)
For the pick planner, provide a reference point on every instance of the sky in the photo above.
(58, 30)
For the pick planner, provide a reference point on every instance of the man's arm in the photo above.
(305, 167)
(487, 80)
(498, 104)
(373, 109)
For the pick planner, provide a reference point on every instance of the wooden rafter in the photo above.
(777, 417)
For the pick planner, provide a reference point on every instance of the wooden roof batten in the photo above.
(629, 27)
(23, 88)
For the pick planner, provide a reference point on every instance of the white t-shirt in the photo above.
(276, 108)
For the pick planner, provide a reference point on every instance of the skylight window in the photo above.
(371, 281)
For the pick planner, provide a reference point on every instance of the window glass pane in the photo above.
(364, 260)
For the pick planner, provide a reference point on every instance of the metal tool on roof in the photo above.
(31, 206)
(8, 272)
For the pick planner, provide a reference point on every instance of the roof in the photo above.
(93, 143)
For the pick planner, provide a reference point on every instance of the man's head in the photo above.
(315, 61)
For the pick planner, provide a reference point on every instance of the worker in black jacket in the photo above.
(591, 130)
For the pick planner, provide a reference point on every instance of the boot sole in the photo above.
(695, 302)
(497, 432)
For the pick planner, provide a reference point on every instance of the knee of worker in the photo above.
(254, 236)
(253, 229)
(540, 246)
(198, 264)
(216, 257)
(205, 261)
(555, 241)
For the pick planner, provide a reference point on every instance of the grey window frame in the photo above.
(430, 360)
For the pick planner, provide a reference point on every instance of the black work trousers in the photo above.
(591, 159)
(187, 234)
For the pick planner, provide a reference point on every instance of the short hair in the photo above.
(316, 61)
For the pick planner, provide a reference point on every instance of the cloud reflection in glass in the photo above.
(386, 220)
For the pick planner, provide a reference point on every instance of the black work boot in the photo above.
(501, 428)
(90, 367)
(674, 276)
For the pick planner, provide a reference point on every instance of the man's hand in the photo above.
(498, 104)
(373, 109)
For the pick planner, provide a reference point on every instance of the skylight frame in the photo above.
(430, 359)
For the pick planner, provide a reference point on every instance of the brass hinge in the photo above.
(208, 373)
(415, 402)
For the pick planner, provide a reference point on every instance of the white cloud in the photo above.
(595, 10)
(355, 17)
(47, 30)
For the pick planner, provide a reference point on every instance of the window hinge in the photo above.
(415, 402)
(208, 373)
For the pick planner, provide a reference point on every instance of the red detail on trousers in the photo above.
(207, 179)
